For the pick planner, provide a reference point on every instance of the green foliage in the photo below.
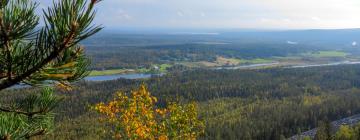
(327, 54)
(35, 55)
(109, 51)
(29, 117)
(345, 133)
(243, 109)
(324, 131)
(108, 72)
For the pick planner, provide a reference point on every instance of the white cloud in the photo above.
(230, 13)
(180, 13)
(121, 14)
(292, 42)
(202, 14)
(286, 20)
(315, 19)
(354, 43)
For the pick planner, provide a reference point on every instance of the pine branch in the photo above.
(29, 114)
(28, 55)
(6, 43)
(38, 133)
(55, 38)
(10, 82)
(7, 137)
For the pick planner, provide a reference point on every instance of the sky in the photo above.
(224, 14)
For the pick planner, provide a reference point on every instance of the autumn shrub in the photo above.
(136, 116)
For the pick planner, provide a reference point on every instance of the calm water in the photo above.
(296, 66)
(105, 78)
(143, 76)
(328, 64)
(118, 76)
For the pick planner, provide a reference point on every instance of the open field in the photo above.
(255, 61)
(110, 72)
(235, 61)
(327, 54)
(162, 68)
(222, 61)
(315, 58)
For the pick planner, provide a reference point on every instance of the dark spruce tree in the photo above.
(324, 131)
(40, 55)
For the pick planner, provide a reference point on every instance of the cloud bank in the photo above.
(260, 14)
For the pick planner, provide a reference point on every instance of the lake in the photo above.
(118, 76)
(104, 78)
(144, 76)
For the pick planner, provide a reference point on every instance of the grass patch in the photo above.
(155, 69)
(163, 67)
(327, 54)
(143, 70)
(222, 61)
(256, 61)
(109, 72)
(199, 64)
(234, 61)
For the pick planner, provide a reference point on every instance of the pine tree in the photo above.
(36, 54)
(324, 131)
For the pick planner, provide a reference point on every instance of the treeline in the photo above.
(273, 119)
(137, 51)
(267, 104)
(326, 131)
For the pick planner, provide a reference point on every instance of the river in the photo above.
(104, 78)
(144, 76)
(252, 66)
(118, 76)
(328, 64)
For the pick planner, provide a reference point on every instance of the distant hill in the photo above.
(320, 37)
(324, 38)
